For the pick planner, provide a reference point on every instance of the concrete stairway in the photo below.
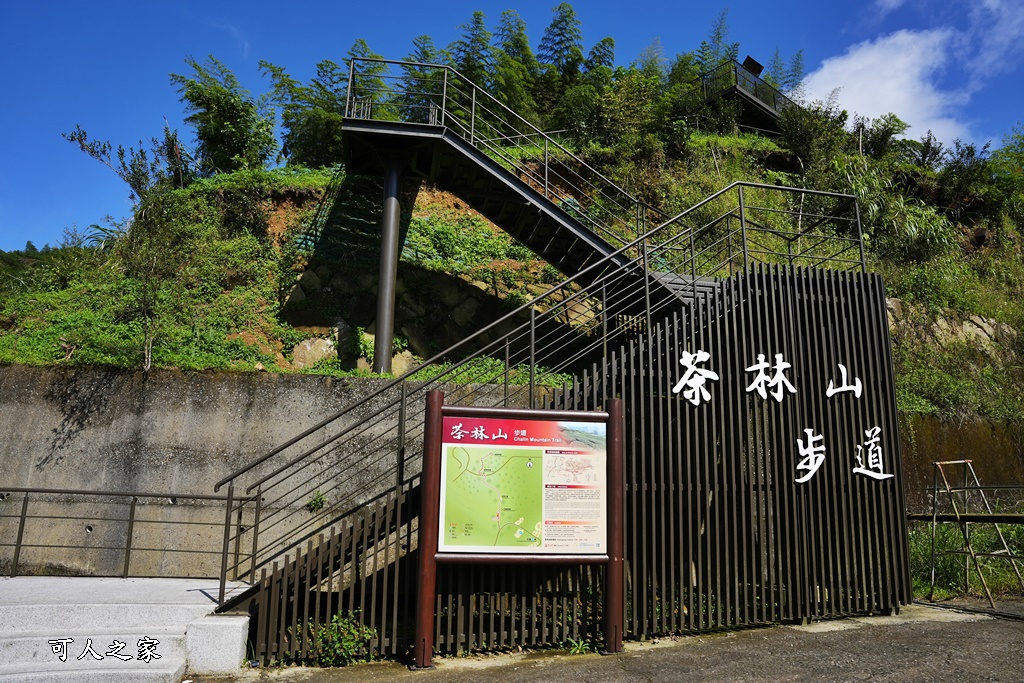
(167, 627)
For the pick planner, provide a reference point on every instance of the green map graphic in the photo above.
(493, 497)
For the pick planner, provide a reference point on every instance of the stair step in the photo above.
(34, 647)
(36, 610)
(79, 672)
(127, 617)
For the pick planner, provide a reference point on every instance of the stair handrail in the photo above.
(591, 269)
(575, 328)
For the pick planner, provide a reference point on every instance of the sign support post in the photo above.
(614, 587)
(429, 513)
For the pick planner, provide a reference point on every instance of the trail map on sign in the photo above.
(494, 497)
(522, 487)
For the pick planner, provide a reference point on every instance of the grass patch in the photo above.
(951, 580)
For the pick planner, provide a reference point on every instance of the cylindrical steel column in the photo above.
(388, 269)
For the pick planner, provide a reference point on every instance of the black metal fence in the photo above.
(721, 534)
(111, 533)
(740, 510)
(747, 509)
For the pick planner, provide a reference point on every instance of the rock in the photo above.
(1006, 334)
(367, 281)
(464, 313)
(310, 281)
(894, 311)
(339, 283)
(307, 353)
(985, 326)
(944, 330)
(408, 302)
(447, 291)
(419, 341)
(295, 296)
(324, 273)
(402, 363)
(342, 337)
(259, 367)
(536, 290)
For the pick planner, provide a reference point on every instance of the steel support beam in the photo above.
(389, 237)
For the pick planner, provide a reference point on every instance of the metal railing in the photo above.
(731, 74)
(434, 94)
(106, 530)
(371, 449)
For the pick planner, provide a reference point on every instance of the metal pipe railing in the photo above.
(27, 538)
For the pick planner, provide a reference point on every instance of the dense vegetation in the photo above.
(199, 276)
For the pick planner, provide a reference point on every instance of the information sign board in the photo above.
(523, 486)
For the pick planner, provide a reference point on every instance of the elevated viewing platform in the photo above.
(734, 80)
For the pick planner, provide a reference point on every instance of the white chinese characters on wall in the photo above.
(692, 383)
(770, 380)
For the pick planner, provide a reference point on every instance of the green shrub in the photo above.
(343, 641)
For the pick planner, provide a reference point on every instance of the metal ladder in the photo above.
(963, 518)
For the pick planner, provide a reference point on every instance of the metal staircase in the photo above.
(628, 269)
(448, 130)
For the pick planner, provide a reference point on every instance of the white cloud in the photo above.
(236, 34)
(896, 73)
(997, 30)
(908, 72)
(886, 6)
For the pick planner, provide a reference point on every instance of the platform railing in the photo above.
(731, 74)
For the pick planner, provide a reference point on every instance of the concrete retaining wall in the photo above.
(177, 433)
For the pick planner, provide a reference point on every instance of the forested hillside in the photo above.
(231, 216)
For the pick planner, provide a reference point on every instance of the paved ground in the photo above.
(921, 645)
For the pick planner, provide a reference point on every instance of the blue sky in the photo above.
(955, 67)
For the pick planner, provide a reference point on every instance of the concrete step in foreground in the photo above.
(167, 627)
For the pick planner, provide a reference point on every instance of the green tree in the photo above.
(562, 44)
(232, 129)
(514, 42)
(877, 138)
(311, 115)
(927, 153)
(472, 55)
(1008, 171)
(651, 61)
(579, 114)
(601, 55)
(421, 85)
(793, 82)
(814, 133)
(775, 72)
(371, 95)
(628, 109)
(516, 67)
(717, 48)
(969, 191)
(166, 164)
